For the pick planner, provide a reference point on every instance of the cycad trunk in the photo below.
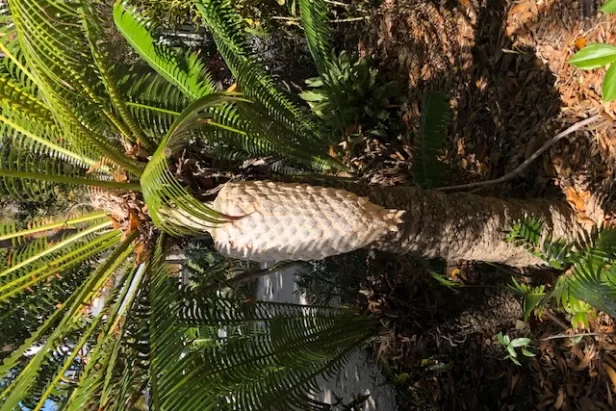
(282, 221)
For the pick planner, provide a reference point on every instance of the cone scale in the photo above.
(285, 221)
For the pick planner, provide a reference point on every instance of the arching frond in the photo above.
(71, 318)
(14, 234)
(101, 56)
(104, 354)
(228, 29)
(13, 65)
(427, 169)
(590, 259)
(40, 261)
(20, 128)
(59, 57)
(594, 282)
(186, 72)
(261, 356)
(27, 176)
(315, 22)
(172, 207)
(16, 97)
(154, 102)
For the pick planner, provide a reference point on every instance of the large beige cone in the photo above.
(282, 221)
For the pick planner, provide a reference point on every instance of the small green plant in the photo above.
(511, 345)
(597, 55)
(532, 297)
(588, 264)
(351, 97)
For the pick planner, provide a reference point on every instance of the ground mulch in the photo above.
(504, 66)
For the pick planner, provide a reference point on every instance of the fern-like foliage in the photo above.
(314, 15)
(186, 72)
(589, 262)
(91, 315)
(246, 351)
(428, 171)
(228, 29)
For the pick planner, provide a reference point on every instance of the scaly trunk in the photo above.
(286, 221)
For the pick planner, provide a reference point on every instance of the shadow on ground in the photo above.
(507, 104)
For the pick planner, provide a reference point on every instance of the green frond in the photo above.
(533, 298)
(228, 30)
(186, 72)
(39, 261)
(30, 176)
(71, 318)
(59, 59)
(154, 102)
(591, 258)
(13, 65)
(249, 356)
(172, 207)
(435, 119)
(529, 233)
(15, 97)
(19, 234)
(267, 136)
(315, 22)
(29, 311)
(104, 354)
(91, 140)
(594, 282)
(53, 383)
(49, 249)
(21, 130)
(101, 55)
(127, 384)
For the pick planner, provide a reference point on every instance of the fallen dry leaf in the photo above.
(576, 199)
(610, 361)
(94, 167)
(580, 43)
(134, 222)
(120, 177)
(140, 253)
(513, 380)
(115, 223)
(560, 399)
(610, 373)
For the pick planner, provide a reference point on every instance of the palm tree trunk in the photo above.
(286, 221)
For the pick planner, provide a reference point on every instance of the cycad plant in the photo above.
(587, 264)
(158, 154)
(92, 315)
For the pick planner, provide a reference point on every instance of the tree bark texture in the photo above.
(464, 226)
(290, 221)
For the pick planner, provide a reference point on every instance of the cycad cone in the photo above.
(282, 221)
